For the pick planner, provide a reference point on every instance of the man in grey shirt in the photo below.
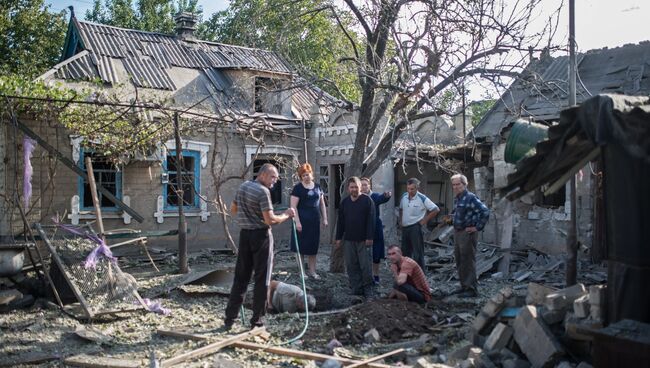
(254, 211)
(288, 298)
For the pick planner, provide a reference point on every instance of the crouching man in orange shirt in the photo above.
(410, 282)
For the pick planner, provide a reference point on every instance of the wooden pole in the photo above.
(304, 141)
(93, 191)
(572, 238)
(182, 225)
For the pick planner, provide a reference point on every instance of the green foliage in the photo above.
(144, 15)
(309, 38)
(31, 37)
(480, 109)
(116, 131)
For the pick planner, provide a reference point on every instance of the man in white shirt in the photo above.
(415, 211)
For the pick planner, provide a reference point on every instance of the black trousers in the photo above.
(412, 293)
(253, 255)
(413, 243)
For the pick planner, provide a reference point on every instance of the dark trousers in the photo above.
(413, 243)
(253, 255)
(358, 263)
(465, 254)
(412, 293)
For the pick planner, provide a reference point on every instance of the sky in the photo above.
(599, 23)
(80, 6)
(605, 23)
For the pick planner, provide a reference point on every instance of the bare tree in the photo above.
(414, 50)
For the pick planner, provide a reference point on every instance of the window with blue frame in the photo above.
(106, 175)
(189, 171)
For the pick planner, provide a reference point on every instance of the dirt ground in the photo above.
(43, 330)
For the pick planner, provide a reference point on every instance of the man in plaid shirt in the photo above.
(410, 283)
(469, 217)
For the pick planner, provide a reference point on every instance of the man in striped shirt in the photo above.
(410, 283)
(254, 211)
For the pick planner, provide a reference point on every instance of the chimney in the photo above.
(185, 25)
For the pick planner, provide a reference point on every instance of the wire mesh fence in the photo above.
(90, 271)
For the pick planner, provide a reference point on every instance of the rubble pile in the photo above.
(546, 327)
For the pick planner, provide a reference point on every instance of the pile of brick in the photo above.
(546, 328)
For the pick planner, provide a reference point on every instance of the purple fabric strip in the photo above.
(28, 148)
(101, 250)
(156, 307)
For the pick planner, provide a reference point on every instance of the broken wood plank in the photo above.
(438, 244)
(374, 359)
(523, 276)
(134, 240)
(211, 348)
(91, 361)
(30, 358)
(271, 349)
(301, 354)
(182, 335)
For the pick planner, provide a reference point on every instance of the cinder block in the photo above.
(595, 313)
(499, 337)
(564, 298)
(474, 353)
(537, 293)
(581, 306)
(515, 363)
(597, 294)
(535, 339)
(577, 328)
(552, 317)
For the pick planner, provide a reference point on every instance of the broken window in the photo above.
(324, 181)
(189, 171)
(106, 175)
(268, 95)
(276, 190)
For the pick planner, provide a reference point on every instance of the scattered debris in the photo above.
(93, 334)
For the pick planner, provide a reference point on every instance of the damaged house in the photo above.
(429, 150)
(520, 119)
(243, 107)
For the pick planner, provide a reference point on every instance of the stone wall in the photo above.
(542, 227)
(56, 187)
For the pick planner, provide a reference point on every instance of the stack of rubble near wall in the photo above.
(547, 328)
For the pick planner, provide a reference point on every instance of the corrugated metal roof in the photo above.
(542, 93)
(147, 56)
(150, 59)
(81, 68)
(118, 43)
